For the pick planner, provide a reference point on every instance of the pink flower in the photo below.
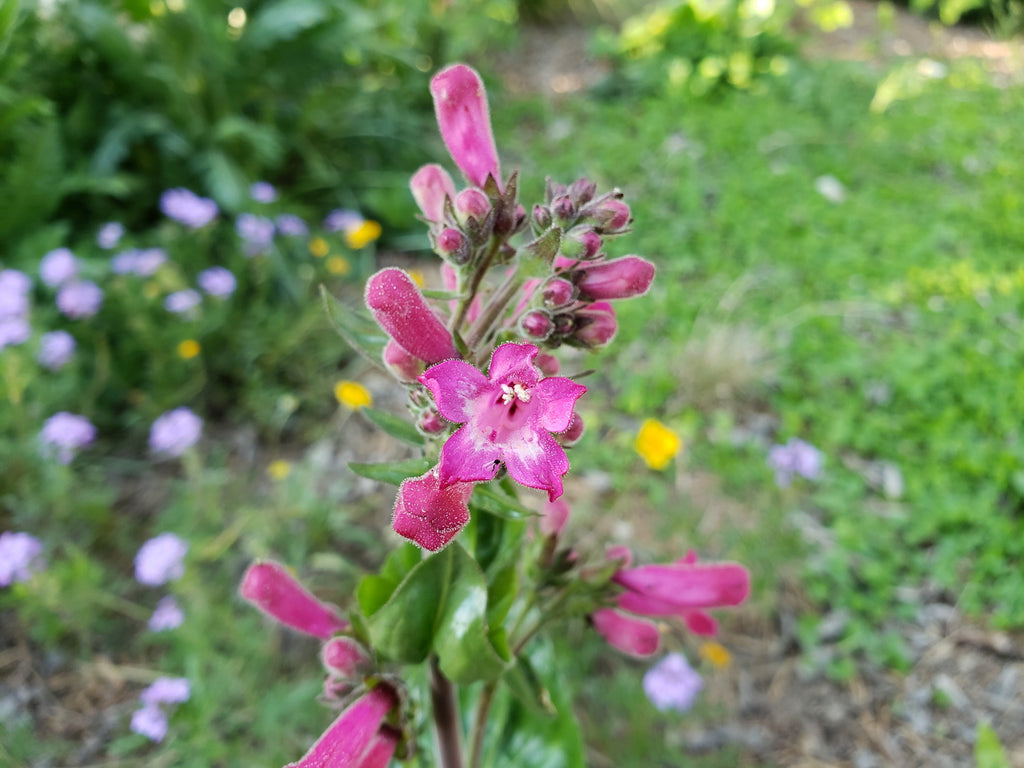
(616, 279)
(401, 310)
(358, 738)
(636, 637)
(460, 103)
(684, 588)
(273, 590)
(430, 185)
(507, 419)
(429, 513)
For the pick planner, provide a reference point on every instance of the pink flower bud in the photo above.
(591, 242)
(354, 737)
(430, 421)
(450, 240)
(430, 185)
(616, 279)
(558, 292)
(541, 217)
(548, 364)
(400, 309)
(536, 325)
(613, 215)
(595, 325)
(343, 656)
(636, 637)
(460, 103)
(273, 590)
(582, 191)
(472, 204)
(428, 514)
(402, 365)
(572, 435)
(563, 208)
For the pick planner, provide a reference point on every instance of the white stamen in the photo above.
(509, 394)
(522, 392)
(514, 392)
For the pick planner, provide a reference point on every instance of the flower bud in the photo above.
(536, 325)
(431, 423)
(274, 591)
(429, 514)
(548, 364)
(460, 103)
(343, 656)
(430, 185)
(591, 242)
(572, 435)
(400, 309)
(402, 365)
(595, 325)
(452, 245)
(616, 279)
(563, 208)
(472, 203)
(616, 214)
(541, 217)
(582, 191)
(558, 292)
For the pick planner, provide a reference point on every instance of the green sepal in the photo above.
(392, 472)
(538, 256)
(360, 331)
(440, 606)
(393, 425)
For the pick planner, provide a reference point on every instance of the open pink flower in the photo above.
(507, 418)
(273, 590)
(684, 588)
(429, 513)
(357, 738)
(460, 103)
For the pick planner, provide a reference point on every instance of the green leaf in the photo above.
(440, 606)
(393, 425)
(375, 589)
(225, 181)
(393, 472)
(359, 330)
(496, 502)
(525, 684)
(8, 13)
(284, 20)
(988, 752)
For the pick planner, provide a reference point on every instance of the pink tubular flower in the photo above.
(460, 103)
(355, 739)
(685, 589)
(508, 417)
(594, 325)
(273, 590)
(430, 185)
(636, 637)
(429, 513)
(401, 310)
(616, 279)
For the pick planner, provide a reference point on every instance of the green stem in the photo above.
(482, 328)
(483, 709)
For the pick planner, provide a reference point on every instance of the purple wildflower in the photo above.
(181, 302)
(290, 225)
(187, 207)
(14, 331)
(79, 299)
(58, 267)
(174, 432)
(142, 262)
(217, 281)
(161, 559)
(342, 220)
(256, 231)
(167, 615)
(110, 235)
(150, 721)
(55, 349)
(796, 457)
(20, 557)
(263, 192)
(14, 288)
(672, 683)
(65, 433)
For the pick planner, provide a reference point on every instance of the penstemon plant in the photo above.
(450, 630)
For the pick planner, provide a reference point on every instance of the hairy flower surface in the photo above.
(400, 309)
(460, 103)
(271, 588)
(672, 683)
(354, 739)
(161, 559)
(429, 513)
(508, 417)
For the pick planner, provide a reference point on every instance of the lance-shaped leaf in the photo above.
(357, 328)
(393, 425)
(391, 472)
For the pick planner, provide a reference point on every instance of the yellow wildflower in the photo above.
(279, 469)
(188, 349)
(337, 265)
(716, 654)
(362, 234)
(657, 444)
(319, 247)
(417, 277)
(352, 395)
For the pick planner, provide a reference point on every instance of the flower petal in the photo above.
(514, 363)
(348, 739)
(535, 460)
(468, 457)
(430, 514)
(556, 397)
(689, 586)
(456, 387)
(273, 590)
